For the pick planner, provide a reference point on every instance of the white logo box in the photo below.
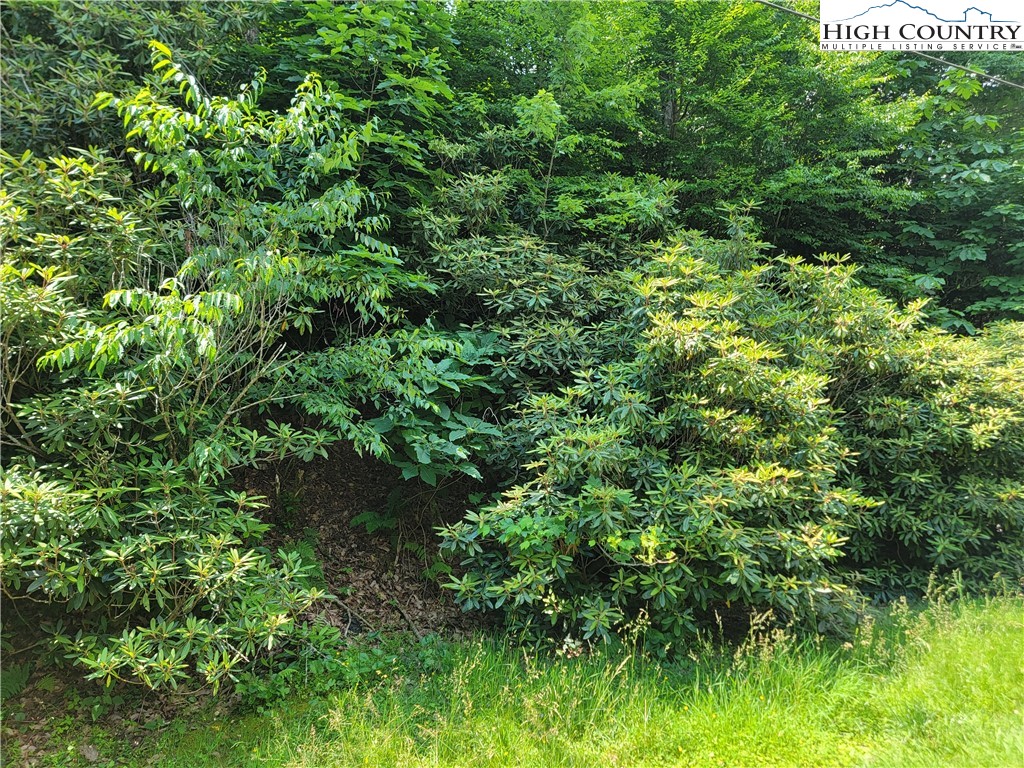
(926, 25)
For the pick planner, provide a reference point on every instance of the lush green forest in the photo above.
(645, 315)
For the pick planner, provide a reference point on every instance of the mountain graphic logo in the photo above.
(985, 17)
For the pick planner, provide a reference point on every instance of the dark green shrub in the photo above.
(175, 556)
(714, 460)
(939, 438)
(56, 56)
(142, 365)
(124, 420)
(422, 390)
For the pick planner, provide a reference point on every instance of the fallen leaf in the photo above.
(89, 752)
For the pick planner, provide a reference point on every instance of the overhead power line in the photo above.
(936, 59)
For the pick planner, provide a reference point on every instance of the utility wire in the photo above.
(789, 10)
(977, 72)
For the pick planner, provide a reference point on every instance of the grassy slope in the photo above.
(945, 688)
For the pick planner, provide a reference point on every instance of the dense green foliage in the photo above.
(140, 350)
(759, 415)
(56, 56)
(963, 159)
(513, 243)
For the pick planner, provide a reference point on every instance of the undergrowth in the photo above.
(938, 686)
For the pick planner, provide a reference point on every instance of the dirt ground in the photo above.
(378, 569)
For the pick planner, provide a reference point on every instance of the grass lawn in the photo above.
(942, 687)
